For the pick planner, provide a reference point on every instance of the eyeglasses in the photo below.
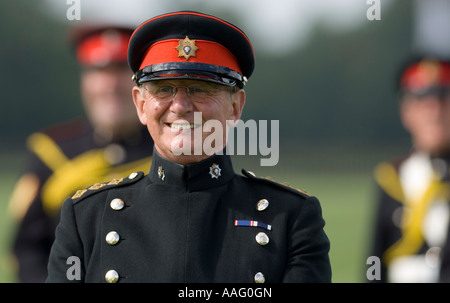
(197, 92)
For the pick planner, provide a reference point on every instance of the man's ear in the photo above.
(238, 102)
(139, 102)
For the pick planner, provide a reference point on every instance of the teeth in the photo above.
(178, 126)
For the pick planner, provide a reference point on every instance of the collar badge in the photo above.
(161, 174)
(186, 48)
(214, 171)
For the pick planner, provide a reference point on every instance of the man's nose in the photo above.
(181, 104)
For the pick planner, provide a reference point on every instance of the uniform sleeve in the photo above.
(35, 229)
(66, 256)
(308, 259)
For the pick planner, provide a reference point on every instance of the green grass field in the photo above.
(342, 184)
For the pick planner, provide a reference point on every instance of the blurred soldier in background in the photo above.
(109, 143)
(411, 231)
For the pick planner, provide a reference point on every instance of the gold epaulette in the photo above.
(97, 187)
(283, 185)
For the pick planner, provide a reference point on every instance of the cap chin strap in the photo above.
(190, 70)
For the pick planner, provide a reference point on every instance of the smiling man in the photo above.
(169, 108)
(191, 218)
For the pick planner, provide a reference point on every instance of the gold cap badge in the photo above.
(186, 48)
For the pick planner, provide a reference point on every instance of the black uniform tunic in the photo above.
(192, 224)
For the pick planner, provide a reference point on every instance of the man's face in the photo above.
(107, 100)
(171, 118)
(427, 118)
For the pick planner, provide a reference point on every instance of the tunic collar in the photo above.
(211, 172)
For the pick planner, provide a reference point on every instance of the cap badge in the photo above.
(186, 48)
(214, 171)
(429, 73)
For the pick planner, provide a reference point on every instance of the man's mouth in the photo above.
(182, 126)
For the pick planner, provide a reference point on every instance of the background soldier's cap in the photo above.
(96, 45)
(425, 75)
(190, 45)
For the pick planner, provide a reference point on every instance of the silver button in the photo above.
(262, 238)
(133, 175)
(259, 278)
(112, 276)
(117, 204)
(112, 238)
(262, 204)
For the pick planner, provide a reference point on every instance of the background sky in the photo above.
(285, 23)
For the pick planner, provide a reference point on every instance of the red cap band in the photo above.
(101, 49)
(205, 52)
(426, 74)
